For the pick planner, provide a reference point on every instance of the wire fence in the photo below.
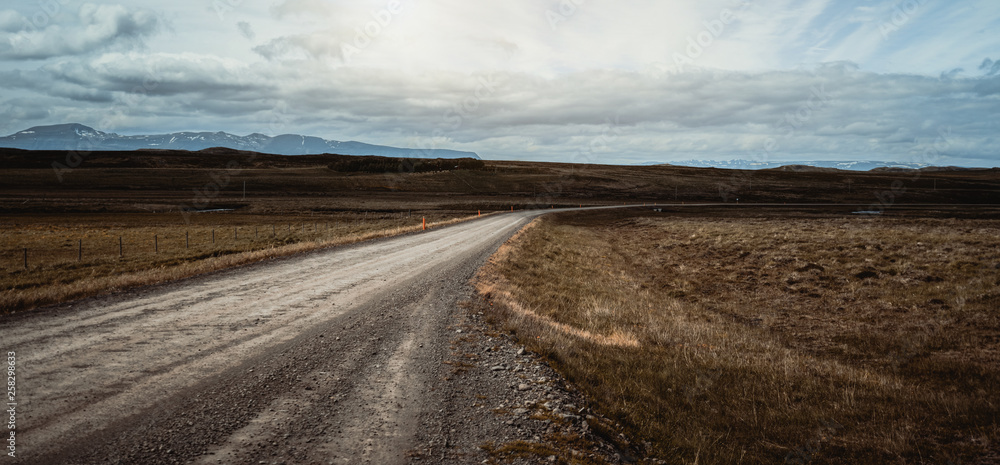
(59, 246)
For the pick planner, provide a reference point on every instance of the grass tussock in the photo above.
(56, 274)
(770, 340)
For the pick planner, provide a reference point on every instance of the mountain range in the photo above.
(79, 137)
(740, 164)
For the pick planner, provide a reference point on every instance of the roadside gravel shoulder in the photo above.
(505, 405)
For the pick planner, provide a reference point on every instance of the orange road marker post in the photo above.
(425, 223)
(480, 213)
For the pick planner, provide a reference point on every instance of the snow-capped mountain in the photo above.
(80, 137)
(757, 165)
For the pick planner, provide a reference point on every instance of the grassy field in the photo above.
(148, 198)
(72, 256)
(773, 337)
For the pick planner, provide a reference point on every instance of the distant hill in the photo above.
(80, 137)
(797, 165)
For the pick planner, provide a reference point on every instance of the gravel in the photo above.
(361, 354)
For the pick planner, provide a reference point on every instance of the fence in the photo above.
(64, 246)
(53, 246)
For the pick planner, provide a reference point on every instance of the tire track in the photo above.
(102, 371)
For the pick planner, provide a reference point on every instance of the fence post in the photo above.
(26, 258)
(272, 231)
(255, 233)
(213, 236)
(79, 256)
(121, 252)
(236, 234)
(187, 240)
(156, 244)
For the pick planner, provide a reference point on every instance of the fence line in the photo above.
(299, 232)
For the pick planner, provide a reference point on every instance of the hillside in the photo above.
(83, 138)
(165, 180)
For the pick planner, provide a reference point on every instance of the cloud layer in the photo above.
(620, 82)
(95, 28)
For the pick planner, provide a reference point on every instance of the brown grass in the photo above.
(56, 274)
(769, 340)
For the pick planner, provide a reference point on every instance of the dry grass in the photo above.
(56, 274)
(769, 340)
(557, 446)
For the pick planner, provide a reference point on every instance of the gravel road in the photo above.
(338, 356)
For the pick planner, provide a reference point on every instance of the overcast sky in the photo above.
(624, 81)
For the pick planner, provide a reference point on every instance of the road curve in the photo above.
(326, 357)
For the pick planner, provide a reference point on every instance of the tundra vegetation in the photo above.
(768, 337)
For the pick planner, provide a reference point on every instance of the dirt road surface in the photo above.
(337, 356)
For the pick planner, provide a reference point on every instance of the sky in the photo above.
(590, 81)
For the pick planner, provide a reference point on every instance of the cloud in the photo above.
(990, 67)
(21, 110)
(811, 78)
(316, 45)
(289, 8)
(117, 77)
(94, 28)
(246, 30)
(12, 21)
(952, 74)
(827, 111)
